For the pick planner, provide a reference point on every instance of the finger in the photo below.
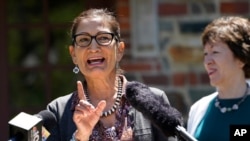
(84, 107)
(100, 107)
(80, 91)
(86, 104)
(77, 112)
(81, 112)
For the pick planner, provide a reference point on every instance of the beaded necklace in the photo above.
(234, 107)
(117, 101)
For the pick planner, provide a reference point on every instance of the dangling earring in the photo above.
(76, 69)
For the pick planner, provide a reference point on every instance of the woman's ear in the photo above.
(72, 54)
(241, 64)
(120, 50)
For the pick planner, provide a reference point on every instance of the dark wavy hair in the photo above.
(235, 32)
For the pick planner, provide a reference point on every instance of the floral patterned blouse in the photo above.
(121, 131)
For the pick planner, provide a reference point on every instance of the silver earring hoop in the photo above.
(76, 69)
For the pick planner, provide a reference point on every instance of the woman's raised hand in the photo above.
(86, 115)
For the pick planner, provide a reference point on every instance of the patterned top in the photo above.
(121, 131)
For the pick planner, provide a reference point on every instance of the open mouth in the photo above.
(95, 61)
(211, 72)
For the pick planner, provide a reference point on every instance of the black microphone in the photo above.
(166, 118)
(25, 127)
(49, 121)
(48, 118)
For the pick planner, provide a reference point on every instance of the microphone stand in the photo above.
(181, 132)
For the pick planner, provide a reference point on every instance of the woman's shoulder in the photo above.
(160, 94)
(63, 98)
(156, 91)
(61, 102)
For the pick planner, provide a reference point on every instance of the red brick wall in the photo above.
(152, 66)
(176, 75)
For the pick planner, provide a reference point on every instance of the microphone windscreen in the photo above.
(160, 113)
(49, 119)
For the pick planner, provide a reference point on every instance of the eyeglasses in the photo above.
(84, 39)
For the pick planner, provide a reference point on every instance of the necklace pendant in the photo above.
(217, 104)
(235, 107)
(223, 110)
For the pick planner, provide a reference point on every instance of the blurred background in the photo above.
(163, 48)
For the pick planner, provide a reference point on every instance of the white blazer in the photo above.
(197, 112)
